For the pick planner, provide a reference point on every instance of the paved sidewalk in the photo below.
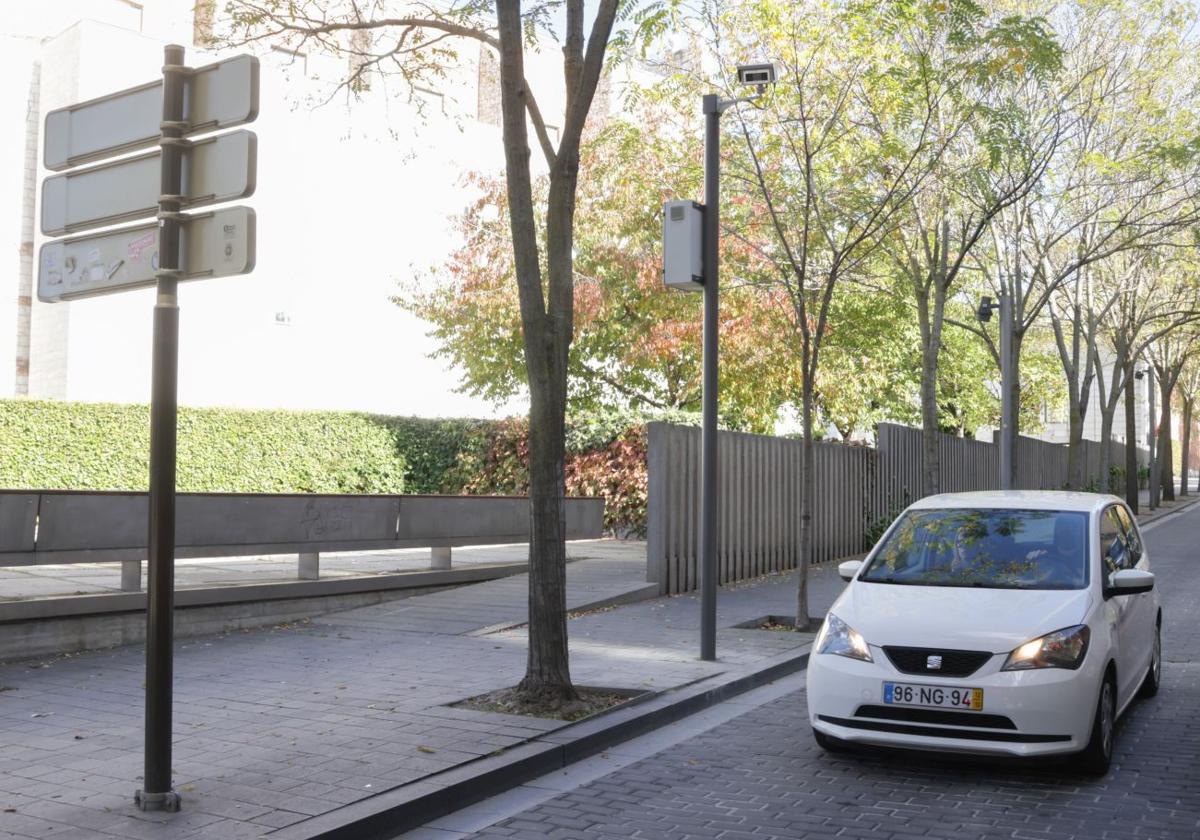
(275, 726)
(278, 725)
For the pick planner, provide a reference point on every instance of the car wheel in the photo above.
(1154, 673)
(828, 742)
(1097, 755)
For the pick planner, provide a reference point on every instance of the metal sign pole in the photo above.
(1008, 438)
(157, 793)
(708, 444)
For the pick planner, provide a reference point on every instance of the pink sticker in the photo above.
(139, 245)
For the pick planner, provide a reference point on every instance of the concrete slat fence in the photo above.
(64, 526)
(759, 481)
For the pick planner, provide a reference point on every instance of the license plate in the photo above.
(933, 696)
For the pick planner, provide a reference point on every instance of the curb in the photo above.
(390, 813)
(1178, 507)
(633, 596)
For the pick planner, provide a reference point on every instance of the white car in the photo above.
(1012, 622)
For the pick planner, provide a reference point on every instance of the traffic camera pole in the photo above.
(1008, 438)
(708, 441)
(156, 793)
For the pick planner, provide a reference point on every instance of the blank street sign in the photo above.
(215, 96)
(215, 244)
(215, 169)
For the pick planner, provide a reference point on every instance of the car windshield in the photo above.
(1003, 549)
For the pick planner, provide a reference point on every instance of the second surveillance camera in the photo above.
(756, 74)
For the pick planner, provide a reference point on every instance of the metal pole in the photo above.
(157, 794)
(1131, 459)
(1007, 406)
(708, 446)
(1152, 439)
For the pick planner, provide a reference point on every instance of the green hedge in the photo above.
(101, 446)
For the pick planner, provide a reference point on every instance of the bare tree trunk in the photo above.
(1131, 441)
(808, 489)
(1166, 453)
(1185, 448)
(1075, 457)
(547, 676)
(1014, 396)
(931, 342)
(1106, 465)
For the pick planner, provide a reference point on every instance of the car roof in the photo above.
(1019, 499)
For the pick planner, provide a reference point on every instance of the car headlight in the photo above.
(839, 638)
(1061, 649)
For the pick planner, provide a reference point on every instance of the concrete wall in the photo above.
(355, 199)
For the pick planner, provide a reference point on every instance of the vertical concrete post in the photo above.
(131, 575)
(657, 465)
(439, 557)
(310, 565)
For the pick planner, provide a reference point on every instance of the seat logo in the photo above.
(933, 663)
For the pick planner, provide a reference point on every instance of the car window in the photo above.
(1132, 539)
(993, 548)
(1113, 549)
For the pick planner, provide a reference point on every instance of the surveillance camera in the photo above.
(984, 313)
(756, 74)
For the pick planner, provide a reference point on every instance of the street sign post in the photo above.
(177, 246)
(215, 170)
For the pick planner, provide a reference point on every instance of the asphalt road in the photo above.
(759, 775)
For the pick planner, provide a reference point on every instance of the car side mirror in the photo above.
(848, 569)
(1129, 582)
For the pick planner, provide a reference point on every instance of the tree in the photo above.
(836, 153)
(1118, 180)
(997, 156)
(1189, 391)
(635, 345)
(1168, 356)
(415, 40)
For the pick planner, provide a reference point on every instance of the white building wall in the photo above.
(352, 197)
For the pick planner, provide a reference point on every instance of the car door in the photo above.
(1143, 604)
(1120, 611)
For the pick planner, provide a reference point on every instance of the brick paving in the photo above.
(761, 776)
(276, 725)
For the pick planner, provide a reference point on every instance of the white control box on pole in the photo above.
(683, 245)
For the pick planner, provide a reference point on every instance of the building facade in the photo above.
(354, 196)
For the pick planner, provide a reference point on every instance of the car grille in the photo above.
(955, 663)
(943, 732)
(939, 716)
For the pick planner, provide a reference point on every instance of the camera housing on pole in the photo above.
(683, 245)
(759, 75)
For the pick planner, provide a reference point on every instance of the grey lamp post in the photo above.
(758, 76)
(691, 260)
(1007, 406)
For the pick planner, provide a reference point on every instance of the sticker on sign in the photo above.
(216, 244)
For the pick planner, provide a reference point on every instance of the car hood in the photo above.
(959, 618)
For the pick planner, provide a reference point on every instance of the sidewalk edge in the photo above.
(389, 814)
